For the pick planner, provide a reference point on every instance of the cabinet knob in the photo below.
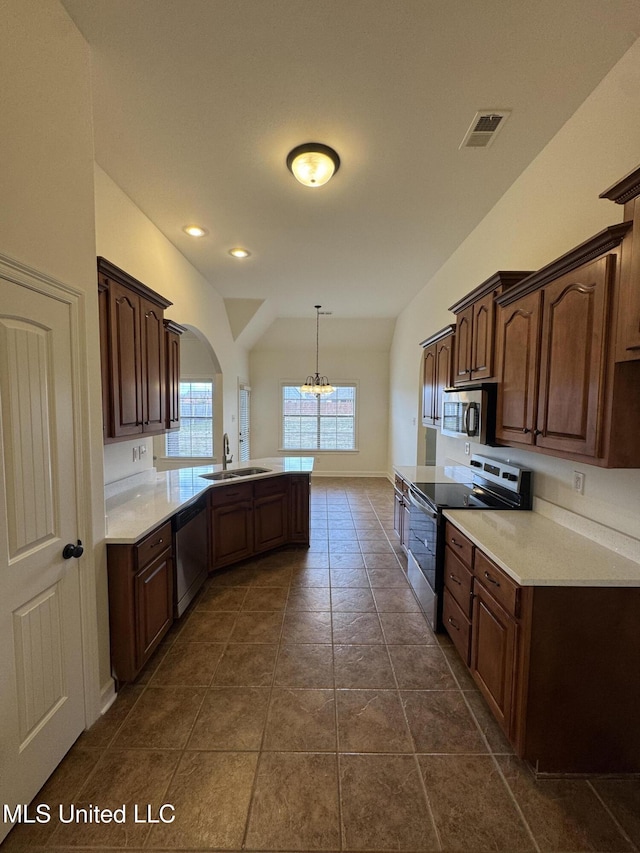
(537, 432)
(525, 430)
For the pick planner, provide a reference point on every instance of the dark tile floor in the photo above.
(304, 704)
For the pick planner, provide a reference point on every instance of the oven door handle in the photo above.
(421, 504)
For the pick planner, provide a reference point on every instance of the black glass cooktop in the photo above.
(458, 496)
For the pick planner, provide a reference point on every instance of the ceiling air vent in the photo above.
(484, 128)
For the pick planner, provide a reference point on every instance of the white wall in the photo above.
(126, 237)
(46, 209)
(365, 361)
(551, 208)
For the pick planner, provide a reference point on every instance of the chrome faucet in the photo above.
(226, 456)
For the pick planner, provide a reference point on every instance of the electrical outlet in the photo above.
(467, 448)
(136, 454)
(578, 482)
(143, 450)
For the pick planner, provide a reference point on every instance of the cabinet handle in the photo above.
(154, 544)
(491, 580)
(457, 544)
(455, 579)
(453, 623)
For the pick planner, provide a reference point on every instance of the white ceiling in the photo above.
(198, 102)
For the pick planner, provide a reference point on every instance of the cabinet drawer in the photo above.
(269, 486)
(505, 590)
(459, 544)
(458, 580)
(153, 545)
(230, 494)
(457, 625)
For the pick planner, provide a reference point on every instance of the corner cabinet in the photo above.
(475, 322)
(252, 517)
(559, 388)
(133, 350)
(140, 600)
(437, 373)
(561, 695)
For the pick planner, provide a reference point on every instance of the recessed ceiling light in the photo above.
(195, 230)
(239, 252)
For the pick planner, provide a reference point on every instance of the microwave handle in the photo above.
(467, 413)
(469, 429)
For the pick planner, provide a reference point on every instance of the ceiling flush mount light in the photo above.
(317, 385)
(313, 164)
(239, 252)
(195, 231)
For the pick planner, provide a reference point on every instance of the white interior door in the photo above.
(42, 708)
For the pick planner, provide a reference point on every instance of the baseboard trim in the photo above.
(108, 696)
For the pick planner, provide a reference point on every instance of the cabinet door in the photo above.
(572, 363)
(482, 338)
(517, 344)
(172, 348)
(126, 360)
(231, 533)
(153, 368)
(299, 508)
(493, 654)
(153, 590)
(429, 385)
(444, 370)
(105, 365)
(270, 516)
(464, 324)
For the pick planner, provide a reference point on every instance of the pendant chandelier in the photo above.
(317, 385)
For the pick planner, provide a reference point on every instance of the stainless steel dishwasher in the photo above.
(191, 549)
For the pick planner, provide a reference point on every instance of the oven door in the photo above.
(421, 564)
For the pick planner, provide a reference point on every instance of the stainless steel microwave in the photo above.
(469, 414)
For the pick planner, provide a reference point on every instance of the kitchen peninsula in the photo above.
(254, 507)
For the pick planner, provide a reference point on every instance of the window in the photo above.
(244, 437)
(319, 423)
(195, 436)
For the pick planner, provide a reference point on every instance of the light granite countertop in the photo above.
(454, 473)
(536, 551)
(135, 506)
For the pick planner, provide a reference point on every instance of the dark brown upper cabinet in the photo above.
(172, 332)
(627, 193)
(560, 389)
(475, 322)
(133, 355)
(437, 373)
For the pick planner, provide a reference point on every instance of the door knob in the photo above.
(72, 550)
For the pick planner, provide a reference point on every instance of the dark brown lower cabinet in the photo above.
(140, 600)
(555, 664)
(493, 654)
(257, 516)
(270, 513)
(231, 524)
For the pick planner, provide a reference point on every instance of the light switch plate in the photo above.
(578, 482)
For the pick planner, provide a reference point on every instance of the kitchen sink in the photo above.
(233, 475)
